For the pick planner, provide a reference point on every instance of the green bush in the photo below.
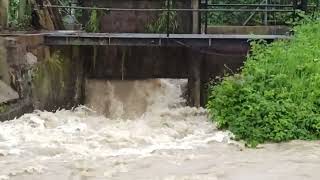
(276, 97)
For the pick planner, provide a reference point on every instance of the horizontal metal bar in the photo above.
(145, 39)
(81, 34)
(249, 10)
(178, 10)
(257, 5)
(252, 5)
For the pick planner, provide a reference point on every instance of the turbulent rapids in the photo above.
(140, 130)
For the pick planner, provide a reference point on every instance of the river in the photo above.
(141, 130)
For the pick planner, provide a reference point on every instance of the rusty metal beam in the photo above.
(141, 39)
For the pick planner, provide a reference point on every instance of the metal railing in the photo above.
(204, 8)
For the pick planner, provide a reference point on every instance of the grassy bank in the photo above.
(276, 97)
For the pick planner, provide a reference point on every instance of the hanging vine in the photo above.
(161, 23)
(94, 26)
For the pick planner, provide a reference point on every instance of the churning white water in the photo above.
(140, 130)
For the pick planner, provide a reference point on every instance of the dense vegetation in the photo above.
(251, 18)
(19, 14)
(276, 97)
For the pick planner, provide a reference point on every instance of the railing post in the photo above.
(266, 13)
(195, 16)
(168, 17)
(206, 17)
(295, 5)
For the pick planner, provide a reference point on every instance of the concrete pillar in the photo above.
(4, 13)
(194, 80)
(195, 16)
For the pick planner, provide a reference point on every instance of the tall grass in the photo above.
(160, 25)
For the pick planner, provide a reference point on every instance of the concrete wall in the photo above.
(58, 86)
(136, 22)
(155, 62)
(32, 74)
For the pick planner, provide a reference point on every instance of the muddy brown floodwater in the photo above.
(141, 130)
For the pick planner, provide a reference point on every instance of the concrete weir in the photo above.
(26, 64)
(47, 70)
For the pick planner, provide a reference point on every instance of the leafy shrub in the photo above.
(93, 24)
(276, 97)
(252, 18)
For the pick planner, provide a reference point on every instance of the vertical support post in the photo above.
(168, 17)
(266, 13)
(77, 62)
(295, 6)
(206, 17)
(194, 80)
(4, 4)
(70, 10)
(204, 80)
(195, 16)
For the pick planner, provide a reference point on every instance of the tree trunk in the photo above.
(48, 18)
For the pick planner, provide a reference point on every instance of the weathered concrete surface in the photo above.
(4, 72)
(61, 87)
(245, 30)
(136, 22)
(25, 58)
(7, 94)
(162, 62)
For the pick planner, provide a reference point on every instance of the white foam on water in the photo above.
(166, 124)
(140, 130)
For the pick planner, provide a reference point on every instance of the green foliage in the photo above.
(3, 108)
(15, 22)
(13, 10)
(277, 95)
(50, 76)
(161, 23)
(93, 24)
(52, 65)
(233, 18)
(257, 18)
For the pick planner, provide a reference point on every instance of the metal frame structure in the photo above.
(145, 39)
(205, 8)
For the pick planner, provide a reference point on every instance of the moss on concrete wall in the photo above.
(4, 75)
(55, 80)
(47, 78)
